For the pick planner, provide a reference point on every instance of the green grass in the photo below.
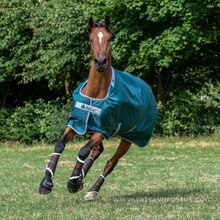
(174, 178)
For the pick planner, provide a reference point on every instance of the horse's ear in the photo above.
(107, 23)
(91, 24)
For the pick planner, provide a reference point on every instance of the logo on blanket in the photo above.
(89, 108)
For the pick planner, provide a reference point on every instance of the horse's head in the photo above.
(100, 44)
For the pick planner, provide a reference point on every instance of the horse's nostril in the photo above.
(104, 61)
(100, 62)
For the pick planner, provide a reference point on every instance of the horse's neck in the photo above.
(98, 83)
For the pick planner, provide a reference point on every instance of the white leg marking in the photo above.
(58, 154)
(81, 161)
(51, 172)
(74, 177)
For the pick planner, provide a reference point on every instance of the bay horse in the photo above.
(109, 103)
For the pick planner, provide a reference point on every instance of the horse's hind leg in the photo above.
(46, 184)
(84, 163)
(122, 149)
(96, 151)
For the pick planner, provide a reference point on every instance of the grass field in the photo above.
(174, 178)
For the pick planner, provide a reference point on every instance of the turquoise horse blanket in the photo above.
(129, 110)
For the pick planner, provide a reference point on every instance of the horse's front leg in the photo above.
(122, 149)
(46, 184)
(84, 163)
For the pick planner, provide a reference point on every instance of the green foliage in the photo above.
(173, 45)
(43, 40)
(59, 38)
(14, 33)
(35, 121)
(159, 40)
(188, 113)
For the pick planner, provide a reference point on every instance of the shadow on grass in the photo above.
(173, 195)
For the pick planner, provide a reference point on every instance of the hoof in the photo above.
(75, 185)
(90, 196)
(46, 185)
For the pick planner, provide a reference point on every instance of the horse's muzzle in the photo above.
(100, 64)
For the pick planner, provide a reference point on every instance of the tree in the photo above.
(42, 41)
(59, 36)
(166, 42)
(14, 34)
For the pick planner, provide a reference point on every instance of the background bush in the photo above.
(186, 113)
(44, 54)
(39, 121)
(189, 113)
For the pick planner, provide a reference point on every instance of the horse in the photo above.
(109, 103)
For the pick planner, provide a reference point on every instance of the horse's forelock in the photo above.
(101, 24)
